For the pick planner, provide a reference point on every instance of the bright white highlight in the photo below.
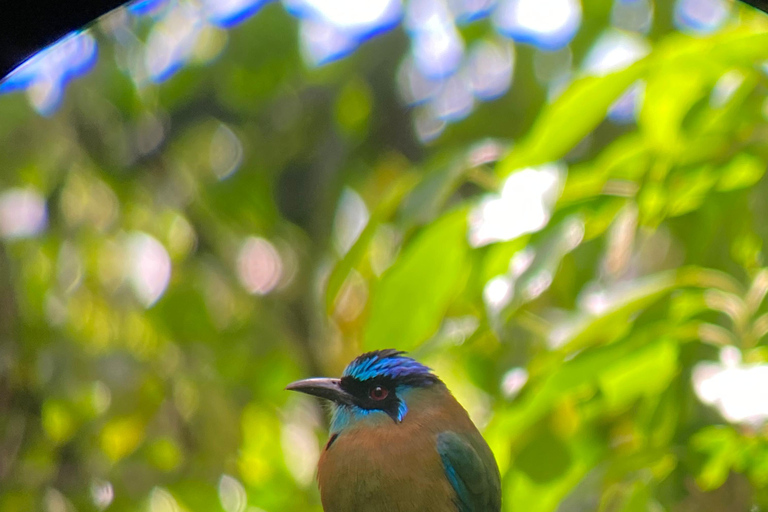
(615, 50)
(437, 47)
(498, 292)
(351, 218)
(523, 206)
(548, 24)
(22, 213)
(738, 391)
(102, 493)
(150, 268)
(544, 17)
(331, 29)
(513, 381)
(352, 13)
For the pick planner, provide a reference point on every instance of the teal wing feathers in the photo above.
(472, 471)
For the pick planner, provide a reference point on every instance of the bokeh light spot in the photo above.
(489, 67)
(232, 494)
(615, 50)
(102, 493)
(331, 29)
(171, 42)
(513, 381)
(301, 452)
(322, 42)
(121, 436)
(348, 14)
(426, 125)
(547, 24)
(701, 16)
(351, 218)
(413, 85)
(58, 421)
(497, 293)
(632, 15)
(160, 500)
(523, 206)
(437, 47)
(150, 268)
(22, 213)
(259, 266)
(55, 501)
(455, 100)
(738, 391)
(226, 153)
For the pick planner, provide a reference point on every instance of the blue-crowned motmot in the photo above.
(400, 442)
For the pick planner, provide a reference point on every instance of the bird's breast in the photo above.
(375, 471)
(392, 467)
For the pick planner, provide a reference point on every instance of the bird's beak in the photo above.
(330, 389)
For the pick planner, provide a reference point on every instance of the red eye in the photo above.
(378, 393)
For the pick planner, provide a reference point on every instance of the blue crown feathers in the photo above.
(385, 363)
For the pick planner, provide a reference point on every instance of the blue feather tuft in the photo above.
(385, 363)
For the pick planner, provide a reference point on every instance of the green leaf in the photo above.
(628, 379)
(624, 306)
(688, 190)
(559, 381)
(427, 199)
(625, 161)
(544, 458)
(665, 107)
(408, 304)
(563, 123)
(575, 457)
(743, 171)
(723, 449)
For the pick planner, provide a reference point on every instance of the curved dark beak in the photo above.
(330, 389)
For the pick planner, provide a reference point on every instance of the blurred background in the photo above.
(560, 206)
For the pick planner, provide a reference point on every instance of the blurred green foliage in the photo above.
(652, 262)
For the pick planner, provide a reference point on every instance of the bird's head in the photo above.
(375, 385)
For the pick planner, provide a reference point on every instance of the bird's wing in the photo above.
(472, 471)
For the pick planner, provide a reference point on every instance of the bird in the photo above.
(400, 442)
